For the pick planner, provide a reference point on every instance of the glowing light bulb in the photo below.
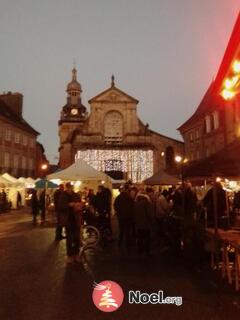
(227, 94)
(178, 159)
(236, 66)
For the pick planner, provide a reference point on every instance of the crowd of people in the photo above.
(145, 217)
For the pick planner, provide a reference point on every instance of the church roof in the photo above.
(113, 87)
(74, 85)
(9, 115)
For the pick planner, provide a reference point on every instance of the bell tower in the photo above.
(74, 110)
(74, 89)
(73, 117)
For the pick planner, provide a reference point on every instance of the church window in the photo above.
(113, 128)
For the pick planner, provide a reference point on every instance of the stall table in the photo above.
(226, 241)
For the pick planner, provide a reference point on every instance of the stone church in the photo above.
(111, 137)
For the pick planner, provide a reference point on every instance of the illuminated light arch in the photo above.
(137, 163)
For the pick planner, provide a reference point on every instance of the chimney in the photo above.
(14, 102)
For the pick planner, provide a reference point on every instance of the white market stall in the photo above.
(14, 186)
(83, 175)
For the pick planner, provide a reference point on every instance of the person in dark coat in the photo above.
(190, 202)
(19, 200)
(34, 206)
(59, 228)
(42, 205)
(143, 221)
(103, 209)
(208, 202)
(68, 201)
(124, 207)
(102, 202)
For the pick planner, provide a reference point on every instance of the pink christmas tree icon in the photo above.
(106, 299)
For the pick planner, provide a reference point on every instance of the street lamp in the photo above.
(178, 159)
(44, 166)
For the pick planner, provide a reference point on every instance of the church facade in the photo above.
(111, 137)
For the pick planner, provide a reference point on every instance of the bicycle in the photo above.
(90, 238)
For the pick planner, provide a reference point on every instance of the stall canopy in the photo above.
(43, 183)
(4, 182)
(81, 171)
(162, 178)
(10, 178)
(224, 163)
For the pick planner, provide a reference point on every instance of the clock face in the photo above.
(74, 111)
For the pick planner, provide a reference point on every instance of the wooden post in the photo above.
(215, 212)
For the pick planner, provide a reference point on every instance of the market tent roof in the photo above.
(30, 180)
(162, 178)
(80, 170)
(10, 178)
(224, 163)
(4, 182)
(43, 183)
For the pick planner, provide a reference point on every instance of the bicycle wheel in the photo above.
(89, 235)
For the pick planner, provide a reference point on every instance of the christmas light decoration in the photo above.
(138, 164)
(231, 85)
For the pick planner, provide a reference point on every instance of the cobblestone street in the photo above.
(37, 284)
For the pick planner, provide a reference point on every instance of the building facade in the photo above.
(111, 137)
(18, 143)
(216, 122)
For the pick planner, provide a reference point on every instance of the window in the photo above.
(197, 135)
(24, 140)
(30, 164)
(197, 155)
(15, 161)
(191, 156)
(113, 127)
(32, 143)
(191, 136)
(215, 120)
(170, 161)
(6, 159)
(17, 137)
(207, 124)
(213, 148)
(207, 152)
(8, 134)
(24, 163)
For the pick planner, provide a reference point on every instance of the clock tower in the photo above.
(73, 116)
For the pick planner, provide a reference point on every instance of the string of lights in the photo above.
(137, 163)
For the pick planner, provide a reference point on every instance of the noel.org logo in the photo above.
(107, 296)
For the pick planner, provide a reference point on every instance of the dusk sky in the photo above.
(165, 53)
